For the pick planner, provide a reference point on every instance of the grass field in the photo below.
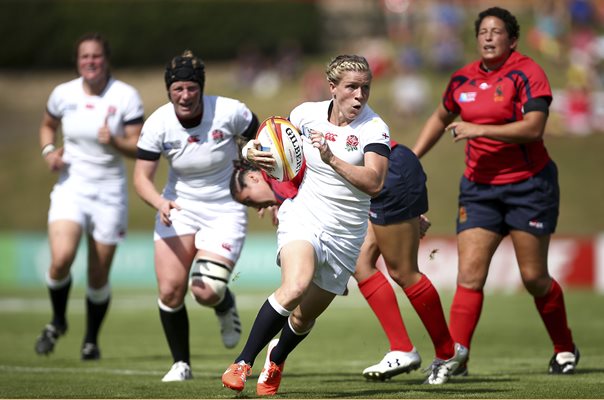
(509, 359)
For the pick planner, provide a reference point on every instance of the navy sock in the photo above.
(176, 329)
(58, 300)
(267, 324)
(95, 314)
(287, 343)
(225, 304)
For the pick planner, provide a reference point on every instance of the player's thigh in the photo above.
(399, 245)
(297, 261)
(64, 239)
(173, 258)
(368, 256)
(531, 254)
(475, 248)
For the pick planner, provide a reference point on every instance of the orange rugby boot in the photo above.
(235, 376)
(270, 377)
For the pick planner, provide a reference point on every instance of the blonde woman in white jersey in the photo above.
(321, 230)
(101, 119)
(199, 228)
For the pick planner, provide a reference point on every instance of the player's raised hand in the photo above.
(254, 153)
(104, 135)
(318, 141)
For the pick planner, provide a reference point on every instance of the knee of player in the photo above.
(204, 294)
(405, 275)
(537, 285)
(172, 299)
(299, 324)
(291, 293)
(60, 267)
(208, 281)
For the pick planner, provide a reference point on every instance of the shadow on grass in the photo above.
(393, 388)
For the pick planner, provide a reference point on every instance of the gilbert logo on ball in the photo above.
(282, 139)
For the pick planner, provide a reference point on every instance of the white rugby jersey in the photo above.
(82, 116)
(200, 158)
(334, 203)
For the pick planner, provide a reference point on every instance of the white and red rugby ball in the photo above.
(282, 139)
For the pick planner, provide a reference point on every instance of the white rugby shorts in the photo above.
(335, 256)
(219, 226)
(100, 208)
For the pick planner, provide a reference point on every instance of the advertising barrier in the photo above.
(573, 261)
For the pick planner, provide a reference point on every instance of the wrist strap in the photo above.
(247, 146)
(47, 149)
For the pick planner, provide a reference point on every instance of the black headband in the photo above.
(184, 69)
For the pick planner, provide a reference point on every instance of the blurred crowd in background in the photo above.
(426, 39)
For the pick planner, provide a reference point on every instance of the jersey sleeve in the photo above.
(242, 117)
(56, 103)
(375, 132)
(448, 99)
(152, 135)
(534, 84)
(134, 110)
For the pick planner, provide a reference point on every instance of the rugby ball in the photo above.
(282, 139)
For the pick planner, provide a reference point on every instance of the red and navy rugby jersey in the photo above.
(495, 98)
(285, 190)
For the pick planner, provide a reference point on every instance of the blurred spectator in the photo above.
(546, 35)
(581, 12)
(410, 89)
(289, 60)
(266, 83)
(249, 64)
(313, 84)
(378, 53)
(444, 30)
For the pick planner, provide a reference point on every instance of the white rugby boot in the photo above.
(230, 326)
(441, 370)
(393, 363)
(565, 362)
(180, 371)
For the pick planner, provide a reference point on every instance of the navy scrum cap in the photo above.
(185, 68)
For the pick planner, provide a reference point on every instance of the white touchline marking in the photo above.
(114, 371)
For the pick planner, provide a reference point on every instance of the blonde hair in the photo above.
(346, 63)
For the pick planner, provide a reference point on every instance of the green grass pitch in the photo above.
(509, 358)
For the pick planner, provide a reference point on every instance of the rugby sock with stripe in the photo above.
(270, 320)
(553, 313)
(425, 300)
(288, 341)
(465, 313)
(175, 322)
(381, 298)
(97, 303)
(58, 291)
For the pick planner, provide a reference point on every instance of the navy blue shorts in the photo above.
(531, 205)
(404, 195)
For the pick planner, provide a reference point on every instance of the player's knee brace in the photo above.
(211, 273)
